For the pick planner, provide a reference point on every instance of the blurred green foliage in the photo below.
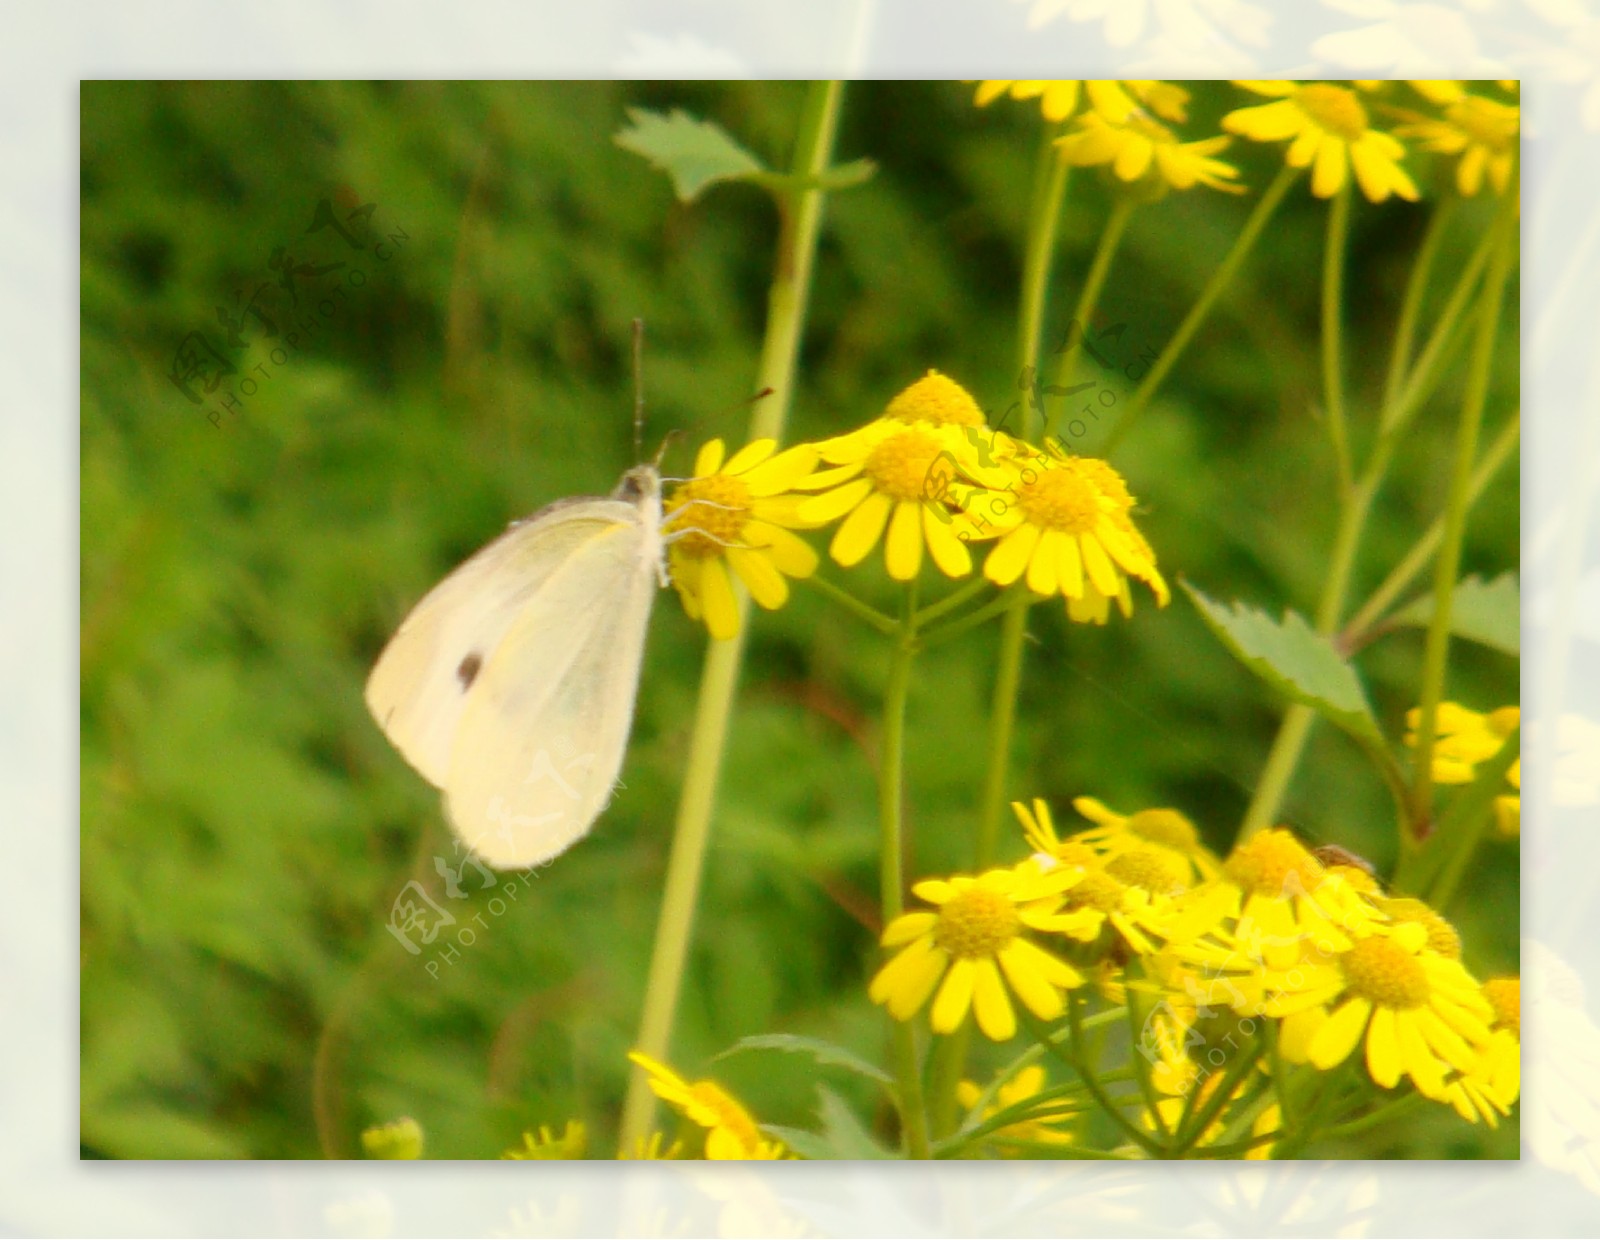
(245, 826)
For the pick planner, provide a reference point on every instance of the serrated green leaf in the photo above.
(1486, 612)
(694, 153)
(1295, 660)
(823, 1052)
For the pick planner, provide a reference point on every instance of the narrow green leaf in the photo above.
(1486, 612)
(823, 1052)
(694, 153)
(1295, 660)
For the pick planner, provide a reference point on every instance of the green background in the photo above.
(246, 827)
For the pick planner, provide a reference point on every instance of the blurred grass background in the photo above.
(245, 826)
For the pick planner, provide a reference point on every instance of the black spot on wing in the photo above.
(467, 672)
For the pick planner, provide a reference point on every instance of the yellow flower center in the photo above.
(1163, 826)
(977, 922)
(1380, 970)
(1442, 936)
(1485, 122)
(1505, 997)
(900, 466)
(1274, 864)
(1060, 499)
(1097, 890)
(1335, 109)
(1106, 479)
(723, 504)
(1158, 871)
(935, 398)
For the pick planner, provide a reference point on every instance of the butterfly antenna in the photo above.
(638, 389)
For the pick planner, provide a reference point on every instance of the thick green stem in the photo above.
(1446, 565)
(1220, 279)
(801, 212)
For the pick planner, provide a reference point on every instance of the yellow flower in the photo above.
(896, 473)
(1059, 100)
(548, 1146)
(737, 514)
(1331, 135)
(1139, 148)
(1466, 738)
(1480, 131)
(1038, 1130)
(1419, 1014)
(1064, 522)
(1489, 1090)
(974, 938)
(730, 1131)
(1162, 828)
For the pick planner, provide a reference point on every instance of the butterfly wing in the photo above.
(422, 681)
(543, 732)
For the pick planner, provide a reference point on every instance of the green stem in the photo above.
(1002, 605)
(1355, 508)
(801, 221)
(1447, 564)
(1387, 1113)
(956, 598)
(1089, 294)
(1360, 625)
(1411, 306)
(1333, 334)
(1220, 279)
(1049, 191)
(862, 611)
(891, 836)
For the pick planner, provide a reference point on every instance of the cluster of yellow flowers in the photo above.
(1312, 956)
(1329, 126)
(929, 475)
(1468, 737)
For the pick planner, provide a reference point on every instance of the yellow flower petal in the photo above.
(908, 926)
(954, 997)
(1327, 176)
(989, 999)
(781, 472)
(948, 551)
(765, 583)
(1383, 1049)
(834, 504)
(709, 459)
(860, 531)
(1019, 959)
(1042, 567)
(1332, 1043)
(717, 599)
(751, 455)
(904, 551)
(1011, 554)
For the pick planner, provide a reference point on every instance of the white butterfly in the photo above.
(511, 685)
